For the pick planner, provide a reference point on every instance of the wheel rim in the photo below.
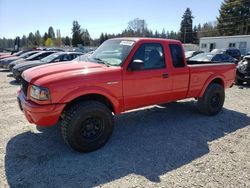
(215, 100)
(92, 128)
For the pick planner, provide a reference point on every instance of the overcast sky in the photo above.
(18, 17)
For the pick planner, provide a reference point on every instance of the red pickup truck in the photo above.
(121, 75)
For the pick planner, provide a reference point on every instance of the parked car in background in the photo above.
(6, 61)
(37, 56)
(84, 57)
(53, 58)
(190, 54)
(55, 49)
(234, 52)
(13, 55)
(243, 71)
(214, 58)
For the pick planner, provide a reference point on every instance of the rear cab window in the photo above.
(178, 60)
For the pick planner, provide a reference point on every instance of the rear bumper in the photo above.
(42, 115)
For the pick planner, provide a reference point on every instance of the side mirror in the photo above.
(136, 64)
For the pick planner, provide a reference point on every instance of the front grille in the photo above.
(24, 86)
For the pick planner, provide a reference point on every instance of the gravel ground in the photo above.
(162, 146)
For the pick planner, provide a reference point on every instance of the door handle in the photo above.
(165, 75)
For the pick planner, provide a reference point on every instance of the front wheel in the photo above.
(87, 126)
(212, 101)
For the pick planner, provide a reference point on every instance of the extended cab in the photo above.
(122, 74)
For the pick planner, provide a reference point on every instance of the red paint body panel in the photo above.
(43, 115)
(126, 90)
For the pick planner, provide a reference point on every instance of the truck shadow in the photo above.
(148, 143)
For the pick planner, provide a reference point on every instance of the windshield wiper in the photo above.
(101, 61)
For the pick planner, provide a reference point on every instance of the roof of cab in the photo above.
(136, 39)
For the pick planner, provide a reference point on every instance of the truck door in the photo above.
(179, 72)
(146, 79)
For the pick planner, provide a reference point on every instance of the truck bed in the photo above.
(201, 72)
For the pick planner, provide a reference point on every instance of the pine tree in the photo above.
(31, 40)
(187, 27)
(45, 37)
(163, 34)
(24, 41)
(67, 41)
(77, 37)
(156, 35)
(102, 38)
(51, 33)
(86, 37)
(38, 38)
(234, 17)
(106, 37)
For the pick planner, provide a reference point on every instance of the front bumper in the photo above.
(5, 65)
(10, 67)
(42, 115)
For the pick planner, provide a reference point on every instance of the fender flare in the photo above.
(83, 91)
(209, 81)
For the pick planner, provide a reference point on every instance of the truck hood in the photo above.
(63, 70)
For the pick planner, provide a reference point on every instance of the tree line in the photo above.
(234, 19)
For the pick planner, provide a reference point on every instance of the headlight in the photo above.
(39, 93)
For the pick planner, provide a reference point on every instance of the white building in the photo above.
(242, 42)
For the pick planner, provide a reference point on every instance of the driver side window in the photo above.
(148, 56)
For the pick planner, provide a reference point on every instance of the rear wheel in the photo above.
(87, 126)
(212, 101)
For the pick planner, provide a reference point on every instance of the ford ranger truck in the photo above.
(121, 75)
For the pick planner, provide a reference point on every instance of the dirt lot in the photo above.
(163, 146)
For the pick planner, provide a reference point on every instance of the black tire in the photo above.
(212, 101)
(87, 126)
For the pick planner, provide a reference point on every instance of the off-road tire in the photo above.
(212, 100)
(75, 122)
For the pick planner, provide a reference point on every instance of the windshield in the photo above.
(189, 53)
(27, 54)
(84, 57)
(112, 52)
(34, 55)
(19, 53)
(49, 58)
